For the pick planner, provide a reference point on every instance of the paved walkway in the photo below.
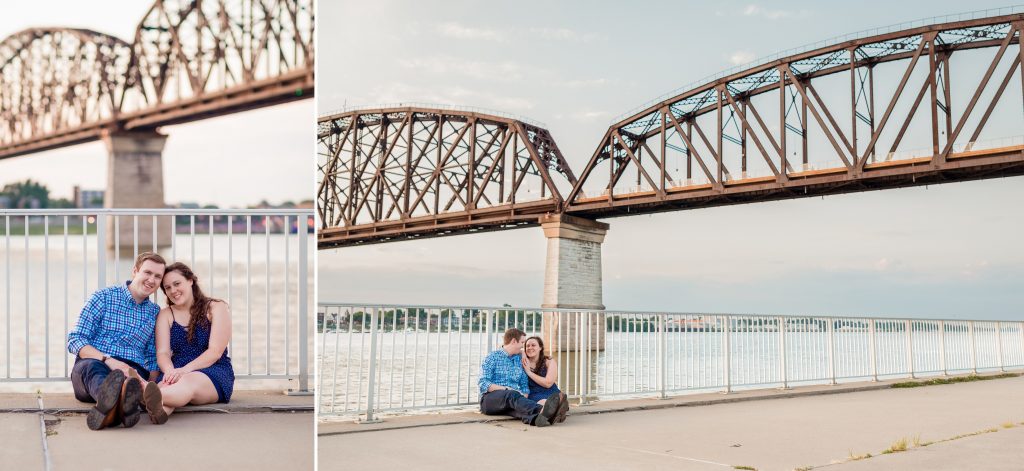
(257, 430)
(797, 432)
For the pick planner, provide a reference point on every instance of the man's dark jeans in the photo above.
(509, 402)
(88, 374)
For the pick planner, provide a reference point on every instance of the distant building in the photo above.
(88, 198)
(5, 201)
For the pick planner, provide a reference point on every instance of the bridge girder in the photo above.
(751, 135)
(413, 171)
(188, 60)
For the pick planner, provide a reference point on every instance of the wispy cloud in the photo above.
(585, 116)
(459, 31)
(741, 57)
(402, 92)
(564, 34)
(757, 10)
(584, 83)
(487, 70)
(452, 29)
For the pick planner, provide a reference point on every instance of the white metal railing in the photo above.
(388, 358)
(256, 260)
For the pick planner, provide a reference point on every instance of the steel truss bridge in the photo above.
(904, 108)
(188, 60)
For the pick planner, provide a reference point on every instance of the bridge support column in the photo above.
(572, 280)
(135, 179)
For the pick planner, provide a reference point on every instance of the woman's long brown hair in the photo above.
(542, 357)
(200, 302)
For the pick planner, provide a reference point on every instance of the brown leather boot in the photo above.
(107, 411)
(131, 395)
(153, 399)
(563, 407)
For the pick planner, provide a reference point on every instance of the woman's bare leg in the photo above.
(193, 388)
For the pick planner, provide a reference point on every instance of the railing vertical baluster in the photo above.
(662, 356)
(372, 378)
(831, 351)
(266, 235)
(871, 346)
(942, 347)
(7, 289)
(46, 291)
(67, 303)
(782, 353)
(101, 256)
(727, 354)
(303, 309)
(585, 357)
(248, 288)
(135, 235)
(909, 326)
(28, 297)
(999, 344)
(974, 357)
(117, 247)
(287, 291)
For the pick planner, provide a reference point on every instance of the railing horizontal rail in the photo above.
(258, 260)
(377, 358)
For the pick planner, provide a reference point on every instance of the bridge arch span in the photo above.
(186, 51)
(411, 171)
(56, 79)
(872, 112)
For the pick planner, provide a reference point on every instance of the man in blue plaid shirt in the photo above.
(504, 385)
(114, 346)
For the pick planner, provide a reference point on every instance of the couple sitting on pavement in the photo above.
(131, 355)
(522, 386)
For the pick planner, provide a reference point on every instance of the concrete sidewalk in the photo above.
(797, 432)
(257, 430)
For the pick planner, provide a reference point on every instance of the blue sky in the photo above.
(268, 149)
(949, 251)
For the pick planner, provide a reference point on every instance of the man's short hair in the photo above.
(513, 334)
(151, 256)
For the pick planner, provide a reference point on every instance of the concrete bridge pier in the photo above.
(572, 280)
(135, 179)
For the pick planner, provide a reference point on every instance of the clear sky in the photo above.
(231, 161)
(950, 251)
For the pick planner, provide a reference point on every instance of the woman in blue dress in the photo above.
(192, 335)
(542, 371)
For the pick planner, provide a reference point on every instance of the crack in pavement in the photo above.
(44, 433)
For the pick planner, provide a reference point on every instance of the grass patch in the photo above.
(1009, 425)
(854, 457)
(956, 379)
(750, 468)
(897, 446)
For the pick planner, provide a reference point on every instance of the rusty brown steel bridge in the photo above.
(189, 60)
(876, 112)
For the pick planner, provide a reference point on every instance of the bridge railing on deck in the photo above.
(387, 358)
(259, 261)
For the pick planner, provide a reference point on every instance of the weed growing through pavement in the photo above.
(897, 446)
(958, 379)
